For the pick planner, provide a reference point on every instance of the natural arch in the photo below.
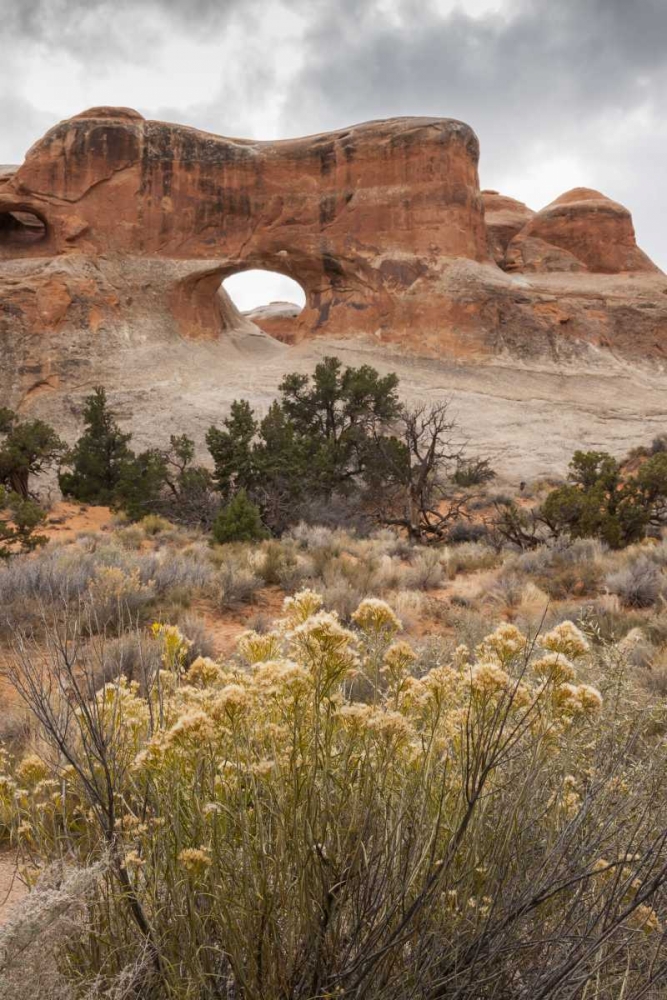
(21, 228)
(204, 309)
(365, 218)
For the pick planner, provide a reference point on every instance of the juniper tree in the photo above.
(20, 521)
(316, 441)
(98, 460)
(28, 448)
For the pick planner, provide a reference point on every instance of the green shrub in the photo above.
(20, 521)
(473, 472)
(100, 457)
(239, 521)
(278, 563)
(602, 502)
(153, 524)
(466, 531)
(28, 448)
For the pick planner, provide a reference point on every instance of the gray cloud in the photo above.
(547, 62)
(23, 124)
(556, 77)
(96, 31)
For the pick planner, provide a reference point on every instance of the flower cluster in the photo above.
(194, 859)
(503, 645)
(174, 646)
(554, 667)
(316, 750)
(566, 639)
(376, 617)
(577, 699)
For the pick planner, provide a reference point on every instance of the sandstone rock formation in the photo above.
(592, 232)
(353, 215)
(277, 319)
(505, 217)
(116, 234)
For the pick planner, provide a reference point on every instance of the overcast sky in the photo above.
(560, 92)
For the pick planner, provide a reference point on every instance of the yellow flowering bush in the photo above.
(31, 770)
(174, 646)
(273, 832)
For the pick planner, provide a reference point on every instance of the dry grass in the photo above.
(119, 580)
(300, 765)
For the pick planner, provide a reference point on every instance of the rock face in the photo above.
(351, 215)
(505, 217)
(116, 234)
(592, 233)
(277, 319)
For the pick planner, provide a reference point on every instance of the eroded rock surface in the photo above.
(116, 234)
(505, 217)
(589, 229)
(356, 216)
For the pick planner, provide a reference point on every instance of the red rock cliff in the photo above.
(115, 227)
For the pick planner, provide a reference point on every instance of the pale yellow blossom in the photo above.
(504, 643)
(31, 770)
(231, 702)
(554, 667)
(204, 672)
(134, 860)
(301, 606)
(376, 617)
(194, 859)
(489, 679)
(257, 648)
(567, 639)
(399, 658)
(195, 726)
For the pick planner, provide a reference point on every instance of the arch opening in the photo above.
(261, 294)
(21, 228)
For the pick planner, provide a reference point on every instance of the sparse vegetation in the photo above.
(419, 479)
(473, 472)
(389, 769)
(638, 584)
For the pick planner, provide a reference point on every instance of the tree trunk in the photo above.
(18, 482)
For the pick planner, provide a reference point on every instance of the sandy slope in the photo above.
(529, 416)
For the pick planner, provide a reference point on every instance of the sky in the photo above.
(562, 93)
